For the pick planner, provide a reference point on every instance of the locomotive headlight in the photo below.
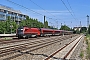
(21, 29)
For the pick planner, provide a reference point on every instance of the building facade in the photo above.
(77, 28)
(15, 15)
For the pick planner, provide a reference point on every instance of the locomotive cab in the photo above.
(19, 32)
(26, 32)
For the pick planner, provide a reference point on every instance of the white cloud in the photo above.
(47, 12)
(53, 12)
(38, 14)
(61, 16)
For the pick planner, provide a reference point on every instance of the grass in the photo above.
(88, 45)
(88, 50)
(6, 38)
(81, 54)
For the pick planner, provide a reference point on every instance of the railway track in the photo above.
(18, 50)
(13, 40)
(65, 52)
(17, 40)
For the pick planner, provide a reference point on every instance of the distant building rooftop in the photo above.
(9, 9)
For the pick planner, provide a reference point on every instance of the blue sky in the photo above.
(54, 9)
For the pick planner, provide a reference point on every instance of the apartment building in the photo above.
(15, 15)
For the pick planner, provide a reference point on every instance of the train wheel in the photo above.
(49, 36)
(26, 37)
(41, 35)
(19, 37)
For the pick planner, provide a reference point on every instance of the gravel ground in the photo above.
(85, 50)
(42, 53)
(77, 51)
(37, 54)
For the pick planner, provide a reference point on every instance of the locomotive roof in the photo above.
(46, 29)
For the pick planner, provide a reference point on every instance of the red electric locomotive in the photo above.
(26, 32)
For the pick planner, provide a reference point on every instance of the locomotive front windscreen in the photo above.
(20, 30)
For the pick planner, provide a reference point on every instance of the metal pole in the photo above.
(80, 25)
(61, 25)
(87, 22)
(57, 24)
(44, 22)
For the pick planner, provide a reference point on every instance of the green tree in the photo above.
(83, 29)
(8, 24)
(30, 22)
(14, 27)
(46, 24)
(2, 27)
(77, 32)
(64, 27)
(89, 30)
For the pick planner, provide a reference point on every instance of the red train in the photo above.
(26, 32)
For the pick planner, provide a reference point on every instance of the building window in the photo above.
(1, 10)
(20, 15)
(2, 16)
(5, 11)
(15, 14)
(9, 12)
(12, 18)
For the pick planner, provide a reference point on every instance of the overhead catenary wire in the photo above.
(43, 9)
(28, 9)
(68, 9)
(71, 9)
(23, 7)
(46, 11)
(52, 14)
